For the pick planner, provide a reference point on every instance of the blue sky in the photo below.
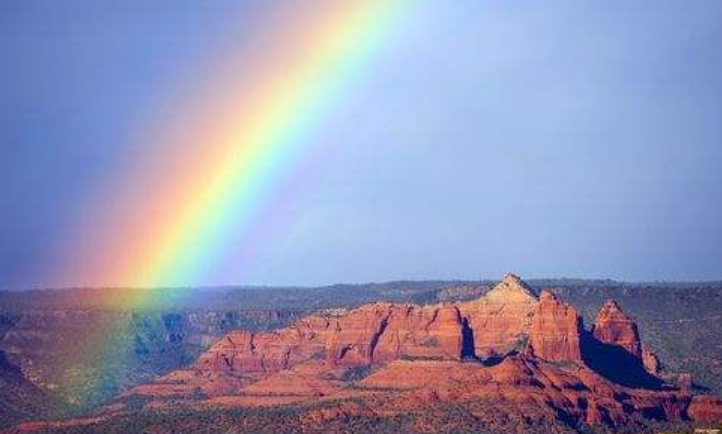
(557, 139)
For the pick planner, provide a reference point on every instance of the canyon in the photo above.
(511, 359)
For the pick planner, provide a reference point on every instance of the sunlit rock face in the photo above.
(501, 319)
(556, 331)
(614, 327)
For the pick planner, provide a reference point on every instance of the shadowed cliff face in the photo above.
(617, 365)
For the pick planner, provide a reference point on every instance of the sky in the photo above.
(564, 139)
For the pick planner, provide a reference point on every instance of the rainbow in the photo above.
(207, 173)
(205, 179)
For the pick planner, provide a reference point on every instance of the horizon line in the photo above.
(251, 286)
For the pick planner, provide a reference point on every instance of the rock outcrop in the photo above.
(374, 333)
(556, 330)
(412, 332)
(501, 319)
(614, 327)
(496, 323)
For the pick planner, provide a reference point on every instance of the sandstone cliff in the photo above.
(502, 318)
(496, 323)
(614, 327)
(556, 331)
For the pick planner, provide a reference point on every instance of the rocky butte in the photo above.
(509, 355)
